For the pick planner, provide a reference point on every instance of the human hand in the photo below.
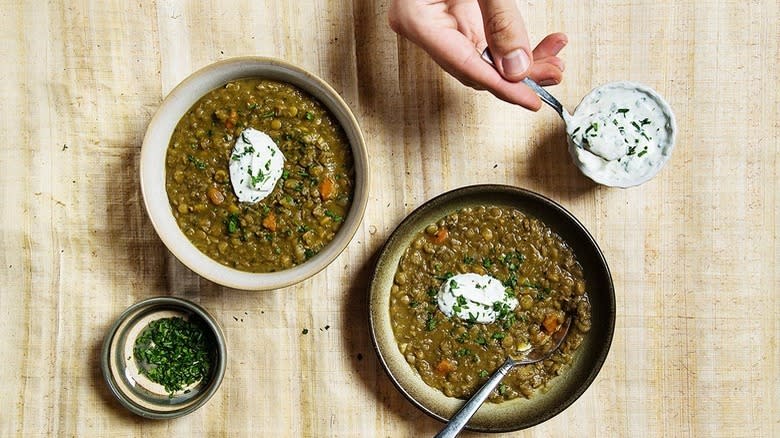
(455, 32)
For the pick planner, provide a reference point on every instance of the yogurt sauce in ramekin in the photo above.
(621, 134)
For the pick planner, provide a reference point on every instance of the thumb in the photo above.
(507, 38)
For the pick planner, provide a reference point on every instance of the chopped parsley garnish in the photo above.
(468, 260)
(332, 215)
(431, 323)
(445, 277)
(463, 352)
(511, 281)
(232, 223)
(174, 352)
(196, 162)
(309, 115)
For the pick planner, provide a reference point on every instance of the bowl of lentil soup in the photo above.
(292, 217)
(547, 266)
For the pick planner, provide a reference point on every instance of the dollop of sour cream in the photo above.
(475, 298)
(621, 134)
(256, 165)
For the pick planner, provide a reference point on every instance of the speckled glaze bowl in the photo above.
(565, 389)
(121, 370)
(155, 147)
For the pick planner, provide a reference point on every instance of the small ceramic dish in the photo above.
(153, 158)
(518, 413)
(136, 391)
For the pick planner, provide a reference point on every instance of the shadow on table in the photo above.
(549, 168)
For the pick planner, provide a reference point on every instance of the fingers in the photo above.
(507, 38)
(551, 45)
(548, 68)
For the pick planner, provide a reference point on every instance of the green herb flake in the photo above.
(196, 162)
(232, 223)
(483, 374)
(447, 275)
(463, 352)
(309, 115)
(334, 216)
(431, 323)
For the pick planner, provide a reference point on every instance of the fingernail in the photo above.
(515, 63)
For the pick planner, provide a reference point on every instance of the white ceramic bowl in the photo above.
(155, 147)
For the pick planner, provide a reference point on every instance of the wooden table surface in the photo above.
(693, 252)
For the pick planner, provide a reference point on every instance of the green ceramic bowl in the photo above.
(121, 370)
(565, 389)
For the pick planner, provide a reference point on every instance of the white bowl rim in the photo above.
(155, 146)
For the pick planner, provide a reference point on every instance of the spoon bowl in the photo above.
(464, 414)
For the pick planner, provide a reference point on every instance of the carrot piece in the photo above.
(327, 187)
(440, 236)
(270, 221)
(550, 323)
(230, 122)
(445, 367)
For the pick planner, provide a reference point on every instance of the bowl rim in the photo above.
(152, 169)
(386, 358)
(164, 301)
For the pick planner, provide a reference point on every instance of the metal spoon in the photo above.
(459, 420)
(543, 94)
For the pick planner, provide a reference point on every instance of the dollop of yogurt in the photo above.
(475, 298)
(621, 134)
(256, 165)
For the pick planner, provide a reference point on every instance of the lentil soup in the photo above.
(304, 210)
(539, 271)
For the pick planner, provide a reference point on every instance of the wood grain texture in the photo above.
(693, 252)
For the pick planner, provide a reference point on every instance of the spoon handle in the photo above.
(459, 420)
(546, 97)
